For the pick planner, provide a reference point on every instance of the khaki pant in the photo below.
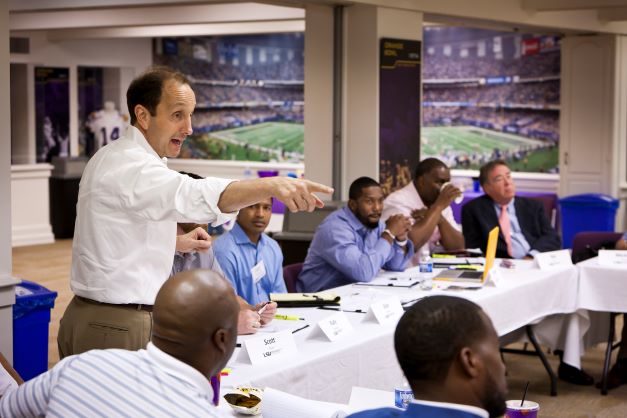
(86, 326)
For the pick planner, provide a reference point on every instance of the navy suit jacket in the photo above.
(479, 217)
(414, 411)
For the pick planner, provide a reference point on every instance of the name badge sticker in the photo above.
(386, 311)
(270, 347)
(553, 260)
(258, 271)
(335, 326)
(615, 258)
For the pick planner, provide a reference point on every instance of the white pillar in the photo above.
(7, 293)
(364, 27)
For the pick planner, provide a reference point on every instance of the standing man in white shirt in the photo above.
(428, 200)
(128, 206)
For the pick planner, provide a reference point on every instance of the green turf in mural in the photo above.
(270, 141)
(470, 147)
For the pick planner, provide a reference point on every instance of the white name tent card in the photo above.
(553, 260)
(269, 347)
(385, 311)
(334, 326)
(613, 258)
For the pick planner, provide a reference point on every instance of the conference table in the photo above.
(327, 370)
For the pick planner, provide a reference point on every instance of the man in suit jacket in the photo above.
(524, 227)
(449, 352)
(524, 231)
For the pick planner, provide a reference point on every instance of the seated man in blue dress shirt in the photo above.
(352, 244)
(449, 352)
(250, 259)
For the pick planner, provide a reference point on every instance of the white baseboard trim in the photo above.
(32, 235)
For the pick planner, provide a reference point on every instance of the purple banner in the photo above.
(399, 112)
(52, 112)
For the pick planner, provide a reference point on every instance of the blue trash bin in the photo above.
(586, 212)
(31, 318)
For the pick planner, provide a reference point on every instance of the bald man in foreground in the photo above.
(194, 333)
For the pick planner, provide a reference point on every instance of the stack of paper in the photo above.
(277, 404)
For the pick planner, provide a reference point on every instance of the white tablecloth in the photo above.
(602, 288)
(326, 371)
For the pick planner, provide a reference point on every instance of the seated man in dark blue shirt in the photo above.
(352, 244)
(449, 352)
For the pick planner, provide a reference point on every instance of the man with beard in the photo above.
(352, 244)
(449, 352)
(428, 201)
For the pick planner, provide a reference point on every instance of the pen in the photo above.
(263, 308)
(288, 317)
(300, 329)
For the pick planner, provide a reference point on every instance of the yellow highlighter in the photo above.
(288, 317)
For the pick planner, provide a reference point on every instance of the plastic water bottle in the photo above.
(403, 395)
(426, 263)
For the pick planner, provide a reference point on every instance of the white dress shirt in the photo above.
(404, 201)
(129, 202)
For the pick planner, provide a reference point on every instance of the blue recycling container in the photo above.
(586, 212)
(31, 318)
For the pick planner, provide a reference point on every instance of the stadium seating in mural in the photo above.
(489, 95)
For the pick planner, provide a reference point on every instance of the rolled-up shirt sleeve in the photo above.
(399, 257)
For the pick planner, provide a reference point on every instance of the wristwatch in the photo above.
(387, 231)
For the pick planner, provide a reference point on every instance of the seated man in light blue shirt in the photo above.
(352, 244)
(250, 259)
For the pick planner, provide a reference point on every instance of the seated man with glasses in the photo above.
(525, 229)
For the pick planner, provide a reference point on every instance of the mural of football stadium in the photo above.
(489, 95)
(249, 93)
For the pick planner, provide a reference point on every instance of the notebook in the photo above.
(475, 276)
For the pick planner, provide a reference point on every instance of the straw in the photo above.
(524, 394)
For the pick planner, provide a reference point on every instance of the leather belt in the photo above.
(135, 306)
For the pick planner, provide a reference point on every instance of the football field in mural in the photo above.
(470, 147)
(269, 141)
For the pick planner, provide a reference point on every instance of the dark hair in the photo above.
(192, 175)
(358, 185)
(425, 166)
(487, 168)
(432, 332)
(146, 89)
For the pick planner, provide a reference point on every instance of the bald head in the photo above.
(195, 319)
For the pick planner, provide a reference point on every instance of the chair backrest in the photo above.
(308, 221)
(586, 244)
(290, 274)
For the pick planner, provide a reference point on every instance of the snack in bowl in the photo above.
(245, 400)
